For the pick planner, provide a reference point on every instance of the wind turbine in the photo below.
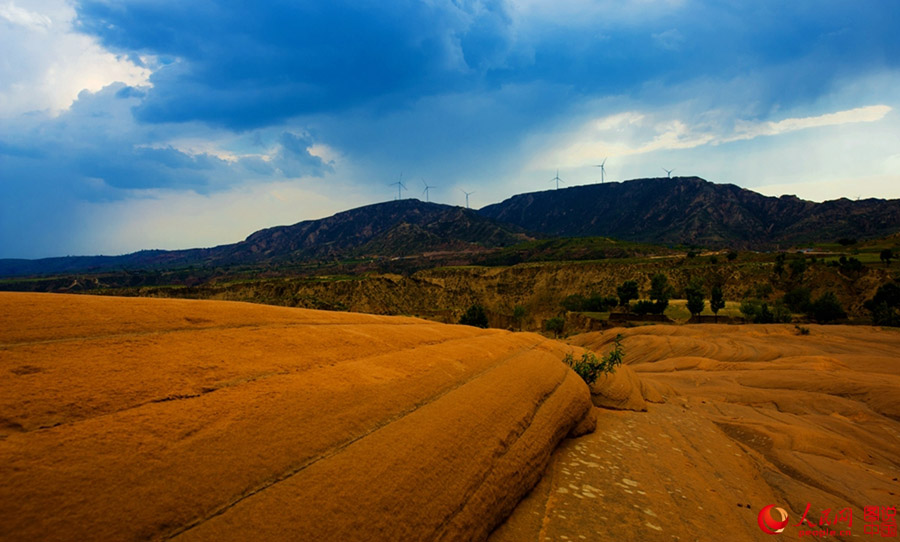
(602, 167)
(668, 172)
(426, 189)
(400, 186)
(557, 179)
(467, 196)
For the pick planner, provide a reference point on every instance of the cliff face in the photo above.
(690, 210)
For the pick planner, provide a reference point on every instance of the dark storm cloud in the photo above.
(250, 64)
(246, 64)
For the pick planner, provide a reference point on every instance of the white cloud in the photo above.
(750, 130)
(46, 63)
(570, 12)
(16, 15)
(671, 39)
(874, 186)
(177, 219)
(636, 133)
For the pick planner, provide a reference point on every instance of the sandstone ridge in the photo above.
(127, 419)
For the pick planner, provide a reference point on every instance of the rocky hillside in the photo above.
(690, 210)
(394, 229)
(444, 294)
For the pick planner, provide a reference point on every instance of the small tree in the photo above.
(556, 324)
(780, 313)
(798, 267)
(826, 309)
(694, 295)
(474, 316)
(573, 303)
(759, 312)
(627, 291)
(779, 264)
(643, 307)
(716, 301)
(660, 292)
(732, 255)
(518, 315)
(798, 299)
(850, 266)
(885, 306)
(886, 256)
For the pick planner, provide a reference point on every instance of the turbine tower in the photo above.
(602, 166)
(467, 196)
(557, 179)
(668, 172)
(427, 188)
(400, 186)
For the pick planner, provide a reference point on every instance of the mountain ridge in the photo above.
(676, 211)
(388, 229)
(691, 210)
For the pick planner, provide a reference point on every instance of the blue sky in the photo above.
(134, 124)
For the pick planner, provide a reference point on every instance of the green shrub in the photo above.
(574, 303)
(779, 263)
(885, 305)
(474, 316)
(801, 329)
(627, 291)
(716, 300)
(594, 302)
(694, 295)
(759, 312)
(589, 367)
(643, 307)
(556, 325)
(826, 309)
(599, 303)
(798, 299)
(519, 313)
(781, 314)
(850, 266)
(660, 292)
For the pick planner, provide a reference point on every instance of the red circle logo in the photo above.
(772, 520)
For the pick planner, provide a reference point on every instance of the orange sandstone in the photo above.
(753, 415)
(127, 419)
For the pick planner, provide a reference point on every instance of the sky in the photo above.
(144, 124)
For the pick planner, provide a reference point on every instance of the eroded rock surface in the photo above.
(128, 419)
(753, 415)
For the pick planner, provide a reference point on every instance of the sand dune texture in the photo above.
(754, 415)
(127, 419)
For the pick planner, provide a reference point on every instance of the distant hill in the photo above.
(392, 229)
(678, 211)
(690, 210)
